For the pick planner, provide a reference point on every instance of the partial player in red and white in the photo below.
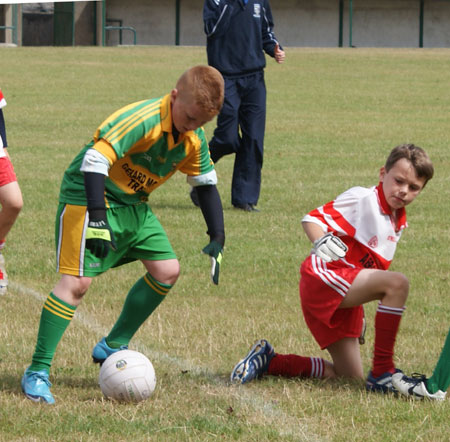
(354, 240)
(10, 196)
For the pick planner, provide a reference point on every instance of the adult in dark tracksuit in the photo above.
(238, 33)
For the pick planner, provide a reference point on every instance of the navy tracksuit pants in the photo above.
(240, 130)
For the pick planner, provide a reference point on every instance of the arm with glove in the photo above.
(99, 236)
(211, 206)
(326, 246)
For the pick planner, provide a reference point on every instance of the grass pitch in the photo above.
(333, 116)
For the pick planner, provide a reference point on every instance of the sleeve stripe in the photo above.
(328, 209)
(118, 131)
(218, 21)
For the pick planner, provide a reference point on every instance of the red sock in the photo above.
(387, 322)
(293, 365)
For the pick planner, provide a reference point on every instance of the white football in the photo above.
(127, 376)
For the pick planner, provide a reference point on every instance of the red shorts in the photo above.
(323, 286)
(7, 174)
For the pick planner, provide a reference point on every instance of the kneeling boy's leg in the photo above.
(322, 290)
(391, 289)
(346, 358)
(262, 359)
(292, 365)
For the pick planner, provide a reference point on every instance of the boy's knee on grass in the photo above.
(328, 370)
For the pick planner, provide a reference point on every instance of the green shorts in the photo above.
(137, 232)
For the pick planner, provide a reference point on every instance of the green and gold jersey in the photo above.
(137, 140)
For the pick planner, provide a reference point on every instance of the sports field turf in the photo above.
(333, 116)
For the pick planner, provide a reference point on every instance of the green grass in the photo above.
(333, 116)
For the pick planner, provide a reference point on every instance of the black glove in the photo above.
(99, 236)
(215, 251)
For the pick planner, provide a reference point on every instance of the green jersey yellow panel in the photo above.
(137, 140)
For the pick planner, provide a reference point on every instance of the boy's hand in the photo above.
(329, 248)
(99, 237)
(215, 251)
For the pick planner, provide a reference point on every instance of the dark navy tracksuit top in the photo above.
(237, 34)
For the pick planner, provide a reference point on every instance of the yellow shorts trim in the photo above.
(70, 251)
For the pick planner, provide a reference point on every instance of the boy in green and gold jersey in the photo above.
(103, 219)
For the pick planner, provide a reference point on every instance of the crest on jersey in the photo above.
(147, 157)
(373, 242)
(257, 10)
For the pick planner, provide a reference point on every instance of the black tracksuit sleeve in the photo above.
(217, 16)
(211, 206)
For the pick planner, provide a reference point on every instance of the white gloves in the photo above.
(329, 248)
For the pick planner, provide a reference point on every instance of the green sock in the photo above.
(55, 317)
(441, 375)
(141, 301)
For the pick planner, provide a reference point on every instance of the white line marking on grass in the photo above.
(286, 425)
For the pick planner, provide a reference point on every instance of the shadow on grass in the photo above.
(77, 382)
(188, 206)
(10, 383)
(223, 379)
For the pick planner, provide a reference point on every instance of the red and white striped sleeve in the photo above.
(341, 215)
(2, 100)
(362, 218)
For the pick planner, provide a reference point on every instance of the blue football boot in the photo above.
(102, 350)
(36, 386)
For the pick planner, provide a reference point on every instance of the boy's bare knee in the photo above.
(11, 209)
(79, 287)
(399, 286)
(14, 209)
(82, 288)
(164, 271)
(72, 288)
(17, 206)
(171, 272)
(171, 278)
(397, 290)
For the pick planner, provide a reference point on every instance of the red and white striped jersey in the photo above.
(362, 218)
(2, 100)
